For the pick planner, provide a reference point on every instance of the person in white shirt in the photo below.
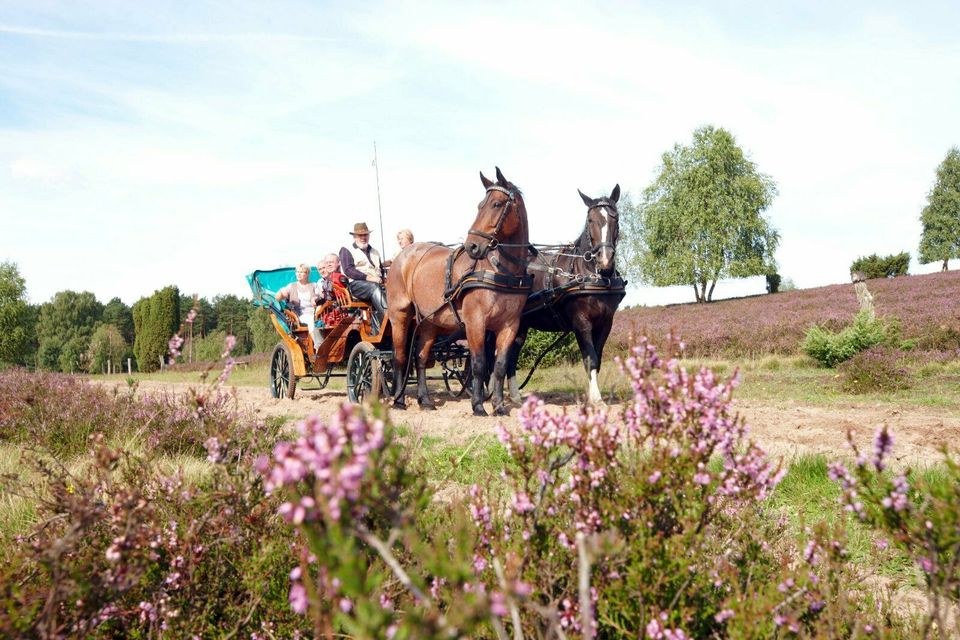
(302, 298)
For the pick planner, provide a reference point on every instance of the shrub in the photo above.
(601, 526)
(918, 513)
(155, 319)
(210, 347)
(874, 266)
(773, 282)
(567, 352)
(127, 547)
(831, 348)
(876, 369)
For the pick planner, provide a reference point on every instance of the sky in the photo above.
(189, 143)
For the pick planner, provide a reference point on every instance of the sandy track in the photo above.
(784, 429)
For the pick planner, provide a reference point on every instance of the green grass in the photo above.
(249, 376)
(477, 461)
(771, 379)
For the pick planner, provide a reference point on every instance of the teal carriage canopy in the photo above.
(265, 284)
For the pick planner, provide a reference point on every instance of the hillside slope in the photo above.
(927, 307)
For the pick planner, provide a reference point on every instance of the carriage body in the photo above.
(348, 349)
(344, 324)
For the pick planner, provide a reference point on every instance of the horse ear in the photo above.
(615, 194)
(587, 200)
(500, 179)
(486, 183)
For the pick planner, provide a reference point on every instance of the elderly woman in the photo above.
(404, 238)
(302, 298)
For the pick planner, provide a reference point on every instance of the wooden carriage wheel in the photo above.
(283, 382)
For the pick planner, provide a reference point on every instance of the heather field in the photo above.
(175, 511)
(927, 308)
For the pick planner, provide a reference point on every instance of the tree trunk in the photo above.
(945, 261)
(710, 295)
(696, 292)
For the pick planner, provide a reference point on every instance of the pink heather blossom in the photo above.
(230, 343)
(925, 564)
(346, 605)
(882, 444)
(191, 316)
(655, 477)
(723, 615)
(498, 604)
(334, 457)
(298, 598)
(435, 585)
(173, 347)
(522, 503)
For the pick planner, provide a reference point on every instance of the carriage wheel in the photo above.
(283, 384)
(456, 378)
(364, 374)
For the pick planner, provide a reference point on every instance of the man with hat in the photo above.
(363, 266)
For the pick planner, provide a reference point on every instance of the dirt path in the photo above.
(784, 429)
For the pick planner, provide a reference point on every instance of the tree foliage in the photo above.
(232, 315)
(16, 329)
(206, 320)
(262, 332)
(155, 320)
(874, 266)
(119, 315)
(941, 217)
(701, 219)
(107, 345)
(66, 324)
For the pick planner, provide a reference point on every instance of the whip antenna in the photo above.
(376, 166)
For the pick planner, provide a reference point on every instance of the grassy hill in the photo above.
(926, 306)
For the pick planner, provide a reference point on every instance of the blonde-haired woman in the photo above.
(302, 298)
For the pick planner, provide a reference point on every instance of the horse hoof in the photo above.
(501, 411)
(428, 406)
(400, 406)
(480, 411)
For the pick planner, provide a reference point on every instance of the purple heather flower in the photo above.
(298, 598)
(882, 444)
(723, 615)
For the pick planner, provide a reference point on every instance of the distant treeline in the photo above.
(75, 333)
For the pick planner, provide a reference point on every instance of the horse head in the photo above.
(501, 216)
(602, 230)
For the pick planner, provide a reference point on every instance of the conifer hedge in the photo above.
(155, 320)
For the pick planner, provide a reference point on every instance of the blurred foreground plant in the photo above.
(649, 523)
(920, 515)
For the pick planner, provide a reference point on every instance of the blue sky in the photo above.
(146, 144)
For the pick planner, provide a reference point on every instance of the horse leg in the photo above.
(423, 355)
(478, 365)
(591, 361)
(512, 357)
(400, 322)
(504, 341)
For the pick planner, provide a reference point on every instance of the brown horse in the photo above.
(576, 288)
(480, 286)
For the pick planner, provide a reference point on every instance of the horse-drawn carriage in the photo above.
(439, 297)
(347, 348)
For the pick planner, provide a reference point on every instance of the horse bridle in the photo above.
(492, 240)
(591, 253)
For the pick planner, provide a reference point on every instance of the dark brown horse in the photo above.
(576, 288)
(480, 286)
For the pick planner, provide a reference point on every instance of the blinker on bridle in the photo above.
(591, 253)
(493, 241)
